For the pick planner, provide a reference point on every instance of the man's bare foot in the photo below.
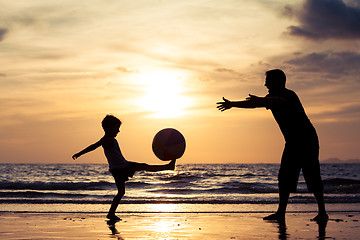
(113, 217)
(321, 217)
(275, 216)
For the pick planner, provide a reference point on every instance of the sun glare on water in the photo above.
(164, 94)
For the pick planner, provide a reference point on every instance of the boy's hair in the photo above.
(110, 121)
(277, 76)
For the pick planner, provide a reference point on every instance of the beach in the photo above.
(341, 225)
(201, 201)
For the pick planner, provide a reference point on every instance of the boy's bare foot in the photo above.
(172, 164)
(275, 216)
(321, 217)
(113, 218)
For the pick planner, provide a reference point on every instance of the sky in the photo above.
(157, 64)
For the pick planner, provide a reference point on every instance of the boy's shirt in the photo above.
(115, 157)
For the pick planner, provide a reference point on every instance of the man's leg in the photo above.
(287, 177)
(313, 180)
(322, 215)
(283, 201)
(280, 213)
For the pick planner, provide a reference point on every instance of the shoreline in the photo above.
(174, 208)
(341, 225)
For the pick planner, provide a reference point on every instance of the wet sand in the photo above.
(341, 225)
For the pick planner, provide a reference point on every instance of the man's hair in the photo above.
(110, 121)
(276, 76)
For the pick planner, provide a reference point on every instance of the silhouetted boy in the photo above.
(301, 150)
(120, 168)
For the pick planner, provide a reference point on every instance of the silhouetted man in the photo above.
(301, 150)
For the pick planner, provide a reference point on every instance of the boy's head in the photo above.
(275, 78)
(111, 123)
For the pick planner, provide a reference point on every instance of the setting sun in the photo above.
(164, 94)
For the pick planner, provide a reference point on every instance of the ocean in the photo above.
(190, 188)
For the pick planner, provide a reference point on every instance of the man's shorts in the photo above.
(123, 174)
(300, 157)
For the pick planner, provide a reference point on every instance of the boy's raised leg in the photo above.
(155, 168)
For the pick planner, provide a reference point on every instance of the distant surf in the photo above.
(200, 183)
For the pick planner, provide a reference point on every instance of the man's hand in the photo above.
(224, 105)
(257, 101)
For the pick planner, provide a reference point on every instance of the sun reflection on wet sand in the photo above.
(164, 227)
(161, 227)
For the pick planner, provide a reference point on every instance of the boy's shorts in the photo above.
(123, 174)
(296, 158)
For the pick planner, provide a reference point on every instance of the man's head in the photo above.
(111, 125)
(275, 79)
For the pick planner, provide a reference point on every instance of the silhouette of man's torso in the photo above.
(292, 119)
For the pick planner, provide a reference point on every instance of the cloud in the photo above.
(325, 19)
(125, 70)
(349, 113)
(338, 64)
(3, 32)
(224, 70)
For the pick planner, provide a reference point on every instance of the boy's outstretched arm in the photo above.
(90, 148)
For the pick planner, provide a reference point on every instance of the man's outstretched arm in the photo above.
(252, 102)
